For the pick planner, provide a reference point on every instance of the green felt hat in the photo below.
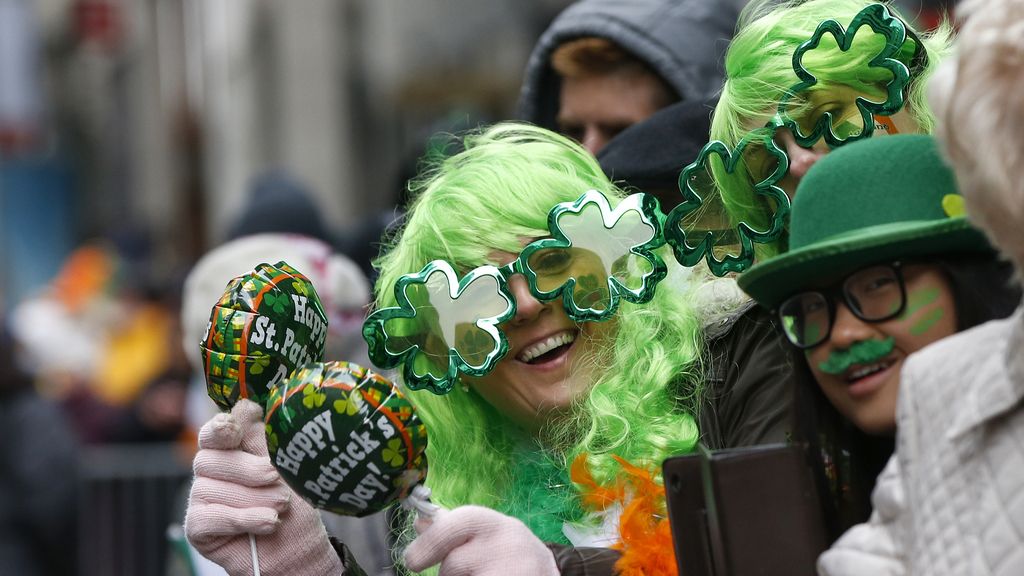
(874, 201)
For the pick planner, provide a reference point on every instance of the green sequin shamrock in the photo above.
(701, 224)
(425, 332)
(272, 440)
(597, 255)
(895, 41)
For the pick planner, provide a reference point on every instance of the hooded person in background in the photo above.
(949, 500)
(604, 65)
(280, 220)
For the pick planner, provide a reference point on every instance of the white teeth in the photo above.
(546, 345)
(868, 370)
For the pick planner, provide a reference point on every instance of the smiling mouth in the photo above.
(857, 373)
(548, 349)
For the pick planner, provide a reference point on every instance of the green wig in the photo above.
(489, 197)
(759, 73)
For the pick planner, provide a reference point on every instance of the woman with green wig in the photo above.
(601, 395)
(804, 77)
(524, 309)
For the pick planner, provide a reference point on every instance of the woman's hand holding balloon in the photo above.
(237, 492)
(340, 436)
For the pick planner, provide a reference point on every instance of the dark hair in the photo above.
(983, 288)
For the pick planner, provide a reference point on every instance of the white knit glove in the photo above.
(477, 541)
(238, 492)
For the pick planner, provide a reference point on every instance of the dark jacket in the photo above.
(751, 377)
(683, 41)
(649, 155)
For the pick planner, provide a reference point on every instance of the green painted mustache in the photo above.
(864, 352)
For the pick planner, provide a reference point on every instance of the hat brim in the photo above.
(772, 281)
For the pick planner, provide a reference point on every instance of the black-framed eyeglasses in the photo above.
(873, 294)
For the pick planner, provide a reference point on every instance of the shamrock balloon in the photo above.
(267, 323)
(345, 438)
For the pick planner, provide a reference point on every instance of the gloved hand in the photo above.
(238, 492)
(477, 541)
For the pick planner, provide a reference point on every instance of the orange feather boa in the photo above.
(645, 538)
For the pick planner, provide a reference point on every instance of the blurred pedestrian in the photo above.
(38, 478)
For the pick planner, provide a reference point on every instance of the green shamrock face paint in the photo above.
(918, 300)
(927, 322)
(864, 352)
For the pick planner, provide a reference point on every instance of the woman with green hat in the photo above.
(881, 263)
(949, 500)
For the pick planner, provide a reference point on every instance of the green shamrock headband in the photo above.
(445, 325)
(702, 226)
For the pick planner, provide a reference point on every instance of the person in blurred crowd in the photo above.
(38, 476)
(958, 475)
(604, 65)
(278, 202)
(98, 336)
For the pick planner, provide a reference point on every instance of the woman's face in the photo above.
(839, 101)
(550, 361)
(864, 387)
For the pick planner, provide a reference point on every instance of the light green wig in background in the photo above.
(759, 72)
(490, 197)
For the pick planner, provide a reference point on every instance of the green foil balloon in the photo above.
(345, 438)
(267, 323)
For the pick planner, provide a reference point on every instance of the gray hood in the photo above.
(684, 41)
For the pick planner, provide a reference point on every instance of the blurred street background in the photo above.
(137, 135)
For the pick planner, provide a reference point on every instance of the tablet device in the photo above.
(745, 512)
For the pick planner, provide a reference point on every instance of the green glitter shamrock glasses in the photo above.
(445, 325)
(732, 198)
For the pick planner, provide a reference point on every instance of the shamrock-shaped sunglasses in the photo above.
(595, 257)
(732, 198)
